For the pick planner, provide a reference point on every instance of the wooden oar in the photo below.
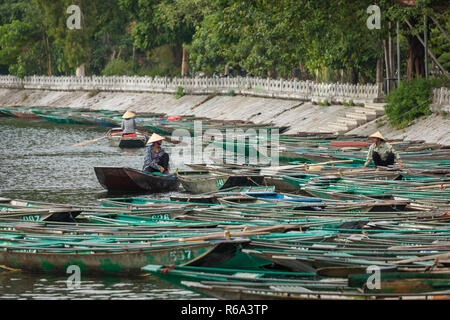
(274, 169)
(89, 142)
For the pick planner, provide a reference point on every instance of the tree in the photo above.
(76, 44)
(25, 48)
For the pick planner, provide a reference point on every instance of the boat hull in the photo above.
(118, 179)
(116, 140)
(117, 263)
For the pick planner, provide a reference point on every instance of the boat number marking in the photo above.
(180, 255)
(31, 218)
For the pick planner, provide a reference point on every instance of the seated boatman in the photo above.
(156, 159)
(381, 152)
(128, 124)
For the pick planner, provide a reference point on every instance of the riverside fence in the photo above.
(259, 87)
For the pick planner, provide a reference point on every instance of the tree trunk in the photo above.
(387, 65)
(133, 59)
(415, 66)
(178, 54)
(49, 58)
(354, 76)
(184, 63)
(273, 72)
(379, 76)
(391, 54)
(81, 70)
(304, 73)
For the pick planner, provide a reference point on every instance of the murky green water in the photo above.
(38, 162)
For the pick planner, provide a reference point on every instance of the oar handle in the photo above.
(88, 142)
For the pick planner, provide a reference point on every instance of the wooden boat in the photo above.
(117, 140)
(143, 203)
(6, 112)
(212, 197)
(121, 259)
(209, 199)
(247, 291)
(38, 213)
(58, 118)
(119, 179)
(402, 283)
(106, 121)
(35, 211)
(280, 184)
(208, 182)
(24, 113)
(175, 274)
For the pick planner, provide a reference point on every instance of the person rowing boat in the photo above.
(128, 124)
(156, 159)
(381, 152)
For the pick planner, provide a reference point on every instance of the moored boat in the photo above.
(117, 140)
(120, 179)
(109, 258)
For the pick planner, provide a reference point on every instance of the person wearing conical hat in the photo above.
(128, 124)
(156, 159)
(381, 152)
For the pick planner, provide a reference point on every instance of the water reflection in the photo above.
(39, 162)
(17, 285)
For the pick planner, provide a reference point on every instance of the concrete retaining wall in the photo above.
(258, 87)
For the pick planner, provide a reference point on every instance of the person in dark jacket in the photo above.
(128, 124)
(156, 159)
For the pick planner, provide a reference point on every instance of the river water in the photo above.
(39, 162)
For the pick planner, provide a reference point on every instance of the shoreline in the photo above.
(300, 116)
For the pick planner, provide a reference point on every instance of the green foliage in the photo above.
(445, 114)
(350, 103)
(409, 101)
(179, 93)
(93, 93)
(325, 40)
(324, 103)
(24, 49)
(118, 67)
(380, 122)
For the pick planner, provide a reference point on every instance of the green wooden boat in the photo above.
(175, 274)
(207, 182)
(401, 282)
(116, 139)
(61, 119)
(117, 260)
(247, 291)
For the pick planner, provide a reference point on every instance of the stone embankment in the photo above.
(301, 105)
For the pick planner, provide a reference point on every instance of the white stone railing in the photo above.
(273, 88)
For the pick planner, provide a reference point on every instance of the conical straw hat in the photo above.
(377, 135)
(155, 137)
(128, 115)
